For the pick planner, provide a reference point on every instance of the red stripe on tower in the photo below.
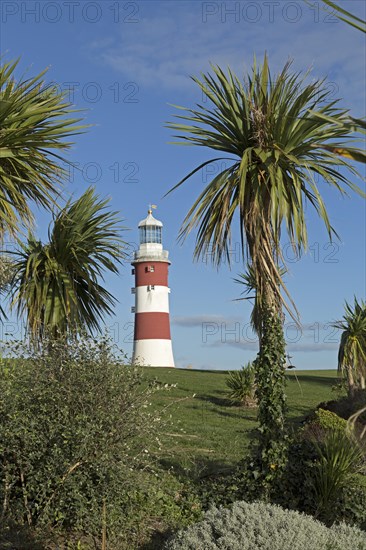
(152, 340)
(151, 273)
(152, 324)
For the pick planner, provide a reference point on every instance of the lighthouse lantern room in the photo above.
(152, 341)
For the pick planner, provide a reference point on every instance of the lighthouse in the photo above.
(152, 341)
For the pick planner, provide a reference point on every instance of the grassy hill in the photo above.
(204, 431)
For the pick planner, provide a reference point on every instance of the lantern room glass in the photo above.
(150, 234)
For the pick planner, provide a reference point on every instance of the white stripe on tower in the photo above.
(152, 340)
(155, 298)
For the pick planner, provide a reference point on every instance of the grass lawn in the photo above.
(205, 432)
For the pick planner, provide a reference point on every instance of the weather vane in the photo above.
(151, 207)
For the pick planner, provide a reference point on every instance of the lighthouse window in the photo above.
(150, 234)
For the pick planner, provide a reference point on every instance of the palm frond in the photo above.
(346, 16)
(36, 124)
(248, 280)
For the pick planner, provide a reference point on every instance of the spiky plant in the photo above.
(35, 127)
(352, 348)
(339, 456)
(57, 284)
(241, 385)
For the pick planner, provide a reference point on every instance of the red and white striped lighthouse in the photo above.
(152, 341)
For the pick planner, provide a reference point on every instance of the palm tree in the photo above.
(352, 348)
(56, 285)
(35, 126)
(277, 148)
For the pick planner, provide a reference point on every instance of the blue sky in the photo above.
(126, 63)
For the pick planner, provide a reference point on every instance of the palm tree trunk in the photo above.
(270, 393)
(270, 363)
(351, 382)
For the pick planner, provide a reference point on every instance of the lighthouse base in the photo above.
(153, 353)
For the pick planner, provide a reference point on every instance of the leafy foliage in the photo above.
(330, 421)
(351, 505)
(270, 383)
(241, 385)
(77, 431)
(262, 526)
(56, 285)
(294, 488)
(35, 126)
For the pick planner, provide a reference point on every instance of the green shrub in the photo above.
(76, 430)
(347, 406)
(263, 526)
(321, 423)
(241, 385)
(330, 421)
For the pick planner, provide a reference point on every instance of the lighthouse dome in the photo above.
(150, 230)
(150, 220)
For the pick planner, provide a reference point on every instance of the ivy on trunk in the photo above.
(270, 392)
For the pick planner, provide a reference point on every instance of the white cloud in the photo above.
(235, 343)
(199, 320)
(172, 41)
(307, 347)
(312, 348)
